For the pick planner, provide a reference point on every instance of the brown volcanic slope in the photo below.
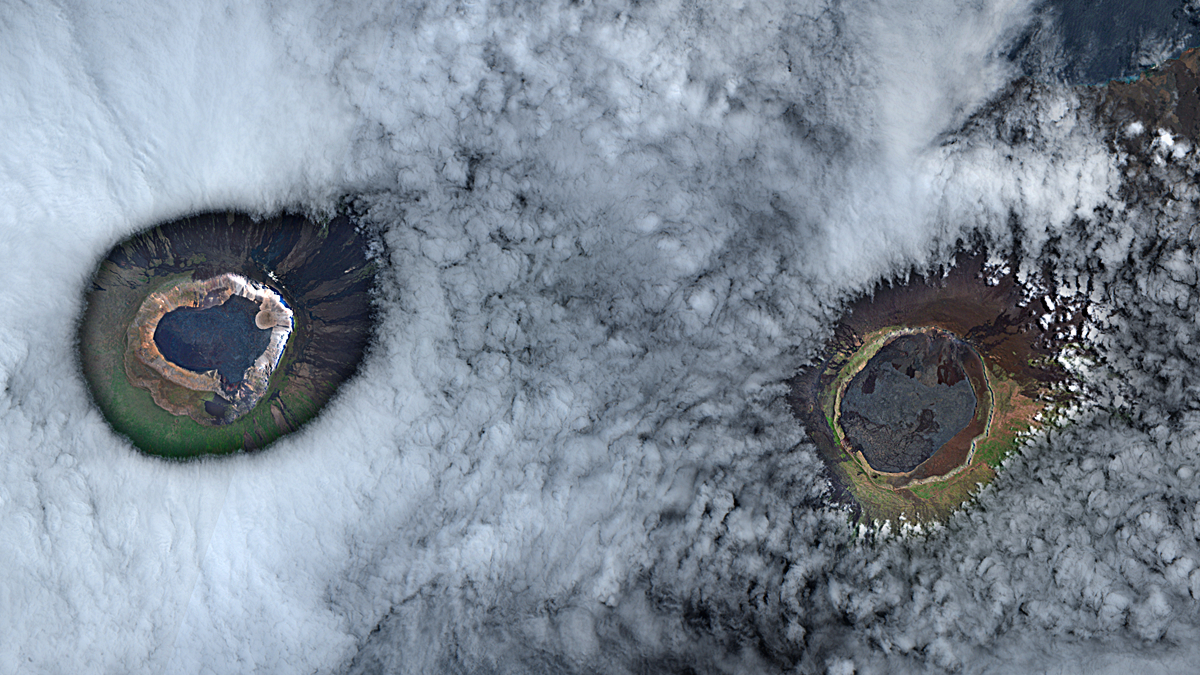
(990, 317)
(1166, 97)
(1005, 332)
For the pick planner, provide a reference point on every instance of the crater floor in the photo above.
(909, 400)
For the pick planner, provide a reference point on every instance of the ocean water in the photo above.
(1111, 39)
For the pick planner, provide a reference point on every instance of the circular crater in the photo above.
(225, 338)
(221, 332)
(204, 336)
(927, 386)
(911, 399)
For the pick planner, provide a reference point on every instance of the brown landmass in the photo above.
(1166, 97)
(1015, 339)
(988, 313)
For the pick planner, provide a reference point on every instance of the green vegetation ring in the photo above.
(244, 374)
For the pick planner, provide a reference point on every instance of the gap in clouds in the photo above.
(648, 329)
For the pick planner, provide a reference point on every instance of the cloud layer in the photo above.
(613, 232)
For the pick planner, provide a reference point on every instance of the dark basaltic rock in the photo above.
(909, 400)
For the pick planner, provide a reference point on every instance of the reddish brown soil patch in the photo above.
(990, 318)
(1167, 97)
(955, 452)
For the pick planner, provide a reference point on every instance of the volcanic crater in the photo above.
(926, 386)
(911, 400)
(221, 332)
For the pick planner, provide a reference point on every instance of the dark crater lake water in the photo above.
(909, 400)
(222, 338)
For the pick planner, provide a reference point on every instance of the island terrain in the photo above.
(222, 332)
